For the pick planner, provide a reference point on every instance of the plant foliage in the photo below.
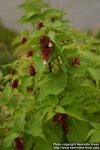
(52, 93)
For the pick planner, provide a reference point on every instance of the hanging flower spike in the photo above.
(65, 128)
(58, 118)
(24, 40)
(76, 61)
(19, 144)
(45, 41)
(14, 84)
(40, 25)
(46, 52)
(32, 70)
(62, 120)
(30, 53)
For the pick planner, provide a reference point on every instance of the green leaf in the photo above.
(19, 121)
(25, 82)
(46, 110)
(60, 109)
(78, 130)
(52, 13)
(75, 111)
(95, 125)
(67, 100)
(42, 145)
(53, 132)
(52, 100)
(50, 115)
(95, 74)
(39, 64)
(51, 34)
(92, 105)
(52, 84)
(28, 142)
(10, 138)
(95, 136)
(34, 127)
(7, 95)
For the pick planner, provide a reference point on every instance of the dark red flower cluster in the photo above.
(30, 53)
(32, 70)
(40, 25)
(19, 144)
(44, 41)
(46, 45)
(46, 53)
(14, 84)
(62, 119)
(24, 40)
(76, 61)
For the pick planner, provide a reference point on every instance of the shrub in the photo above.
(52, 93)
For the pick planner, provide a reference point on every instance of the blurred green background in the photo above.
(6, 49)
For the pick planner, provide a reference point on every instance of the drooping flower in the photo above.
(62, 120)
(46, 52)
(76, 61)
(14, 84)
(19, 144)
(30, 53)
(32, 70)
(45, 41)
(58, 118)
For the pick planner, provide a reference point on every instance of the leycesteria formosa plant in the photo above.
(51, 93)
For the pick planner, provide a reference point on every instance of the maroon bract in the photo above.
(32, 70)
(40, 25)
(58, 117)
(19, 144)
(62, 120)
(65, 128)
(30, 53)
(76, 61)
(14, 84)
(24, 40)
(44, 41)
(46, 52)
